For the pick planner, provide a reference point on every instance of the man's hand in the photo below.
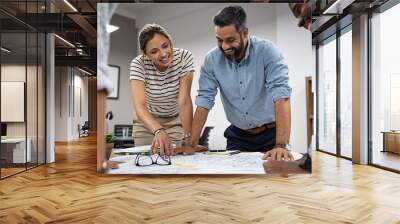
(282, 167)
(188, 150)
(277, 154)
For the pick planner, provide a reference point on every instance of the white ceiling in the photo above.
(132, 10)
(135, 10)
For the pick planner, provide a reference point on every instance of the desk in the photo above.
(391, 141)
(203, 163)
(13, 150)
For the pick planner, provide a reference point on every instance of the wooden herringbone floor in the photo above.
(70, 191)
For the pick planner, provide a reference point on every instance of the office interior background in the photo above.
(357, 84)
(48, 82)
(48, 88)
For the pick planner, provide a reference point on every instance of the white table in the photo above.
(18, 150)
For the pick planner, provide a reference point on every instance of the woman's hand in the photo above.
(162, 141)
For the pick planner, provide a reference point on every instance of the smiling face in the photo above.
(231, 42)
(159, 51)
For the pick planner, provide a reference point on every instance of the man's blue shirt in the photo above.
(248, 89)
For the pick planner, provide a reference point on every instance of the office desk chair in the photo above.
(84, 130)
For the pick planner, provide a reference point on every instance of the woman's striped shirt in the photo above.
(162, 88)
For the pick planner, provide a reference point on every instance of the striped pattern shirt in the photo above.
(162, 88)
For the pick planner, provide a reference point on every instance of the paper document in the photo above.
(137, 149)
(198, 163)
(226, 162)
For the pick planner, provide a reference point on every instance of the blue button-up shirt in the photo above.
(248, 89)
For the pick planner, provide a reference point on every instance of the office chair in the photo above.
(84, 130)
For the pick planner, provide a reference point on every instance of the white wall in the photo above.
(14, 73)
(298, 55)
(33, 126)
(122, 51)
(191, 27)
(79, 117)
(66, 121)
(61, 103)
(18, 73)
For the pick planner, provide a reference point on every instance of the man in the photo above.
(253, 83)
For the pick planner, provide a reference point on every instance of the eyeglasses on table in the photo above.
(146, 159)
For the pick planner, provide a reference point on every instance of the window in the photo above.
(385, 89)
(346, 94)
(327, 97)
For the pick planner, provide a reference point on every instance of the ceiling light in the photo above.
(5, 50)
(111, 28)
(80, 51)
(70, 5)
(65, 41)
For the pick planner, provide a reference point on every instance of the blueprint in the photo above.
(198, 163)
(137, 149)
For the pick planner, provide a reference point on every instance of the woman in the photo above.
(161, 80)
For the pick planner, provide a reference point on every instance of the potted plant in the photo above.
(109, 144)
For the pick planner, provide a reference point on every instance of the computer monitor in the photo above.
(3, 129)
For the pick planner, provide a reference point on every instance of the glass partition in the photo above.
(22, 88)
(41, 96)
(31, 98)
(13, 88)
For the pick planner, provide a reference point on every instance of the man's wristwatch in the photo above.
(284, 146)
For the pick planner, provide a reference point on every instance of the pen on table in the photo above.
(217, 150)
(126, 153)
(234, 152)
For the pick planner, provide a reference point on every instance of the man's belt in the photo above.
(262, 128)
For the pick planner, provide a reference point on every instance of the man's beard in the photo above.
(236, 51)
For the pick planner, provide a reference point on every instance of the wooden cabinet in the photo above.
(391, 142)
